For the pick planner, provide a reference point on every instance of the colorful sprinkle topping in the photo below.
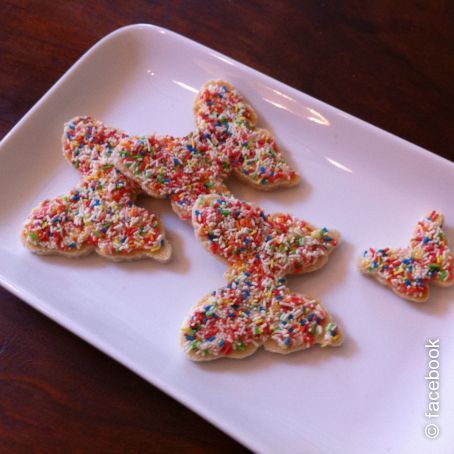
(256, 307)
(99, 212)
(408, 271)
(226, 140)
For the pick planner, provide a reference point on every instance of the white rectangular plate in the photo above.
(369, 395)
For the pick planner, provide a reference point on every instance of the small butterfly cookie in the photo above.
(256, 308)
(99, 213)
(408, 271)
(226, 141)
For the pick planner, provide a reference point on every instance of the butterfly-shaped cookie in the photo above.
(408, 271)
(226, 141)
(256, 308)
(99, 213)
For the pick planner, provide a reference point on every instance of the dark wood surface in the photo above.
(388, 62)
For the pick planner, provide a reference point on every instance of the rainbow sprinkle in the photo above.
(226, 141)
(99, 212)
(408, 271)
(256, 307)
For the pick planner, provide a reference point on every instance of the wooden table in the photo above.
(390, 63)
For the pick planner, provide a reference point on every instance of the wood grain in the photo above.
(389, 63)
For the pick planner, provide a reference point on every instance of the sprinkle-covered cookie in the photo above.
(226, 141)
(99, 213)
(408, 271)
(256, 308)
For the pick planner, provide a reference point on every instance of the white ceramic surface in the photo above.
(368, 396)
